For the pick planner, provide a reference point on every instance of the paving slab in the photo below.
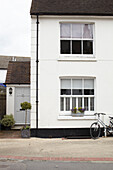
(57, 149)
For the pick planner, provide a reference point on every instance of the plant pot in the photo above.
(7, 127)
(77, 114)
(25, 133)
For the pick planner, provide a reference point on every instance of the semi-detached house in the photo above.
(71, 65)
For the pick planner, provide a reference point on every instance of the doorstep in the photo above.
(17, 127)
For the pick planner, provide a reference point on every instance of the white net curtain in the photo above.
(65, 30)
(88, 31)
(76, 30)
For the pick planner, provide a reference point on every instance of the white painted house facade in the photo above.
(75, 67)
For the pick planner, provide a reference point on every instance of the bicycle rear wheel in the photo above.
(95, 130)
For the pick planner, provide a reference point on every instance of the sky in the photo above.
(15, 27)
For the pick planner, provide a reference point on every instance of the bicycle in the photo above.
(95, 129)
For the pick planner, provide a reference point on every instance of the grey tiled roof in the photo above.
(72, 7)
(18, 72)
(4, 60)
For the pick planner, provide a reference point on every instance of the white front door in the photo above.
(22, 94)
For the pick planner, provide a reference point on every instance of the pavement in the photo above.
(60, 149)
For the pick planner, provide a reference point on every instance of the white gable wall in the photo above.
(52, 67)
(33, 72)
(3, 75)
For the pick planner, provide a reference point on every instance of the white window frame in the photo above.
(68, 113)
(81, 56)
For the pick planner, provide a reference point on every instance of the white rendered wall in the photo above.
(3, 76)
(33, 71)
(10, 99)
(52, 67)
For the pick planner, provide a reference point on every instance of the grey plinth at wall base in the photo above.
(62, 132)
(25, 133)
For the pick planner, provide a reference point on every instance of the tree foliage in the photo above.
(25, 105)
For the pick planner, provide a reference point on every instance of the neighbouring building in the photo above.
(71, 65)
(3, 71)
(18, 90)
(4, 61)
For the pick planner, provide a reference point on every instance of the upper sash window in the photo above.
(76, 38)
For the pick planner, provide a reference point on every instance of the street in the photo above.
(51, 165)
(60, 154)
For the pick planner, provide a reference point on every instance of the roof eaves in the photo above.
(86, 14)
(17, 83)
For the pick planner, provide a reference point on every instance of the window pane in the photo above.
(77, 87)
(76, 47)
(76, 92)
(65, 30)
(67, 104)
(80, 102)
(62, 104)
(87, 47)
(65, 91)
(65, 46)
(88, 31)
(86, 103)
(89, 87)
(65, 87)
(77, 30)
(65, 84)
(92, 103)
(88, 91)
(89, 83)
(73, 102)
(77, 84)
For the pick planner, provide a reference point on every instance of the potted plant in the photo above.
(8, 121)
(81, 110)
(78, 112)
(25, 131)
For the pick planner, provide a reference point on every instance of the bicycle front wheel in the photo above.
(95, 130)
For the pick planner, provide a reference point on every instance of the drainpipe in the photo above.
(37, 77)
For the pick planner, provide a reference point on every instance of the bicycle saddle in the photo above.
(110, 117)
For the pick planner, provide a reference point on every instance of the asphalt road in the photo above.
(52, 165)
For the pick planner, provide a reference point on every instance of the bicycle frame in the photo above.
(103, 124)
(95, 126)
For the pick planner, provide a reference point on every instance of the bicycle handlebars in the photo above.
(99, 114)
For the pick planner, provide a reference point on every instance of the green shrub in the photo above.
(8, 121)
(25, 127)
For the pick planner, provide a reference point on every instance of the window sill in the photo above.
(75, 58)
(85, 117)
